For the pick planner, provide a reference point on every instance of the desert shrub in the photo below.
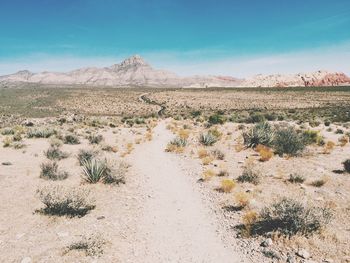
(296, 178)
(184, 133)
(319, 182)
(196, 113)
(55, 142)
(50, 171)
(179, 142)
(7, 131)
(7, 141)
(256, 117)
(312, 137)
(115, 176)
(227, 185)
(207, 174)
(343, 140)
(261, 133)
(288, 141)
(92, 245)
(95, 138)
(207, 160)
(202, 153)
(339, 131)
(17, 137)
(327, 123)
(223, 173)
(346, 165)
(216, 119)
(69, 201)
(207, 139)
(219, 155)
(290, 217)
(86, 155)
(55, 153)
(328, 147)
(250, 174)
(40, 133)
(18, 145)
(71, 139)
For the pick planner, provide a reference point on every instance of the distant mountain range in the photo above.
(135, 72)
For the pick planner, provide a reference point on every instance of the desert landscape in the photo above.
(174, 175)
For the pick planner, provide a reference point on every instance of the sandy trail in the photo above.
(175, 225)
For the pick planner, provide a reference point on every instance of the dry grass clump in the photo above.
(261, 133)
(55, 153)
(242, 199)
(344, 140)
(227, 185)
(95, 138)
(223, 173)
(319, 182)
(265, 152)
(249, 219)
(312, 137)
(7, 141)
(207, 160)
(176, 145)
(296, 178)
(208, 174)
(328, 147)
(71, 139)
(250, 173)
(202, 153)
(50, 171)
(91, 245)
(217, 154)
(184, 133)
(290, 217)
(68, 201)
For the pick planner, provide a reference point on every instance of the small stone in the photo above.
(63, 234)
(266, 243)
(101, 217)
(303, 253)
(6, 163)
(26, 260)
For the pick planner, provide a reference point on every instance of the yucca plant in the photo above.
(261, 133)
(179, 142)
(94, 170)
(207, 139)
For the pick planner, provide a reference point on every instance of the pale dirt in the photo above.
(176, 225)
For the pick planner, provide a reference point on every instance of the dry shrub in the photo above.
(239, 147)
(250, 174)
(55, 153)
(223, 173)
(69, 201)
(92, 245)
(227, 185)
(50, 171)
(320, 182)
(344, 140)
(265, 152)
(208, 174)
(149, 136)
(329, 146)
(249, 219)
(184, 133)
(207, 160)
(202, 153)
(219, 155)
(242, 199)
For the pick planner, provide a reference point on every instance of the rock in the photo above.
(63, 234)
(271, 254)
(266, 243)
(26, 260)
(100, 217)
(303, 253)
(6, 163)
(28, 123)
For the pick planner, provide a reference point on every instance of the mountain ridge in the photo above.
(135, 71)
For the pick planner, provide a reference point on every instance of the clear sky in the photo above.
(231, 37)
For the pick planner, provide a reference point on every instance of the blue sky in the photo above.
(188, 37)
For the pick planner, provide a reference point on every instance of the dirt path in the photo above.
(147, 100)
(175, 225)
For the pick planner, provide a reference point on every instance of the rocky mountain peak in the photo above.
(135, 60)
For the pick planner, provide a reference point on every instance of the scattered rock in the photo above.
(101, 217)
(271, 254)
(28, 123)
(6, 163)
(303, 253)
(266, 243)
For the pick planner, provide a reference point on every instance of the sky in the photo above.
(227, 37)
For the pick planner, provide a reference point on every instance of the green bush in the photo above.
(50, 171)
(290, 217)
(312, 137)
(296, 178)
(288, 141)
(54, 153)
(256, 118)
(95, 139)
(71, 139)
(261, 133)
(216, 119)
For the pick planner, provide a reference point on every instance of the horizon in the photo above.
(227, 38)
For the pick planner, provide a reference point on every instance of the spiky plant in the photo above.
(179, 142)
(261, 133)
(207, 139)
(94, 170)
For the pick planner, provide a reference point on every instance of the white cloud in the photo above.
(335, 58)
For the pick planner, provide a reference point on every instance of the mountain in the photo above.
(318, 78)
(133, 71)
(136, 72)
